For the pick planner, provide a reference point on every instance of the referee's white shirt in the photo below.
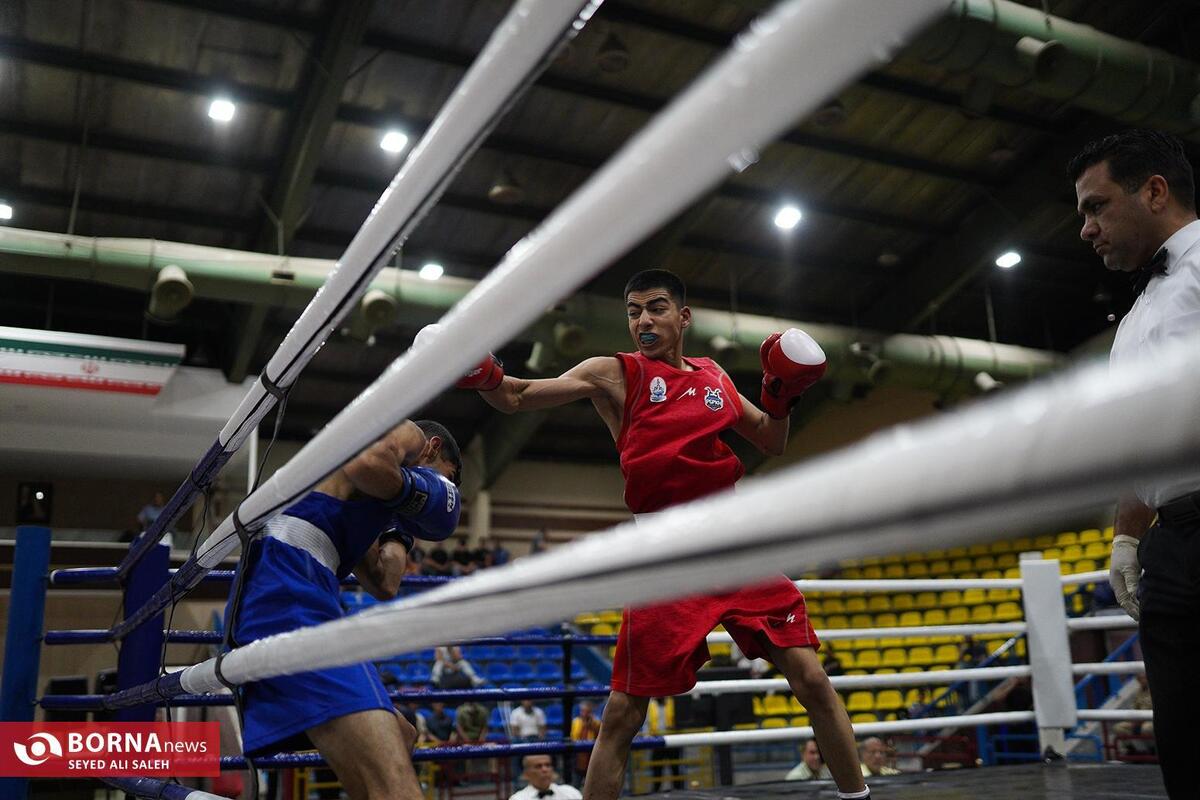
(1166, 312)
(557, 792)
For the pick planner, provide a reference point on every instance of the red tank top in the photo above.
(669, 444)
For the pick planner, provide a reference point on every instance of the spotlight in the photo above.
(613, 56)
(221, 109)
(1008, 260)
(788, 217)
(6, 211)
(1112, 317)
(393, 141)
(431, 271)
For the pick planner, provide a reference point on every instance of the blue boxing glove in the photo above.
(428, 507)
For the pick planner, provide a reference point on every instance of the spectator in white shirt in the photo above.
(528, 722)
(539, 771)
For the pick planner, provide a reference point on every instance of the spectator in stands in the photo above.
(452, 671)
(439, 724)
(920, 705)
(1128, 727)
(831, 663)
(539, 772)
(874, 755)
(584, 727)
(812, 765)
(528, 722)
(151, 512)
(461, 556)
(437, 563)
(660, 720)
(538, 543)
(408, 709)
(471, 723)
(499, 555)
(481, 556)
(972, 653)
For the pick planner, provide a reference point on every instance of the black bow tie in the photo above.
(546, 793)
(1156, 266)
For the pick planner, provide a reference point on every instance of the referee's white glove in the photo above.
(1125, 572)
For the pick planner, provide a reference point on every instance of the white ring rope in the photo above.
(1105, 623)
(834, 634)
(1114, 714)
(764, 735)
(867, 586)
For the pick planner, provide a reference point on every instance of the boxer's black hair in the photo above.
(450, 450)
(1135, 155)
(658, 279)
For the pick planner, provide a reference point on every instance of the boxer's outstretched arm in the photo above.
(762, 430)
(591, 379)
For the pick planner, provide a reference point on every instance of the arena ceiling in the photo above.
(911, 181)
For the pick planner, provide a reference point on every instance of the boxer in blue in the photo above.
(363, 518)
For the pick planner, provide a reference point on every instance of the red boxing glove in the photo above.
(485, 377)
(792, 361)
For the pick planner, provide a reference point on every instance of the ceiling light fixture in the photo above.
(221, 109)
(6, 211)
(394, 141)
(788, 217)
(1008, 260)
(431, 271)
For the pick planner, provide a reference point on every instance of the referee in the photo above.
(1136, 195)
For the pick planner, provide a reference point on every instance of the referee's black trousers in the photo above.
(1170, 638)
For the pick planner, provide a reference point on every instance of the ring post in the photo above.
(141, 650)
(1049, 652)
(568, 702)
(22, 642)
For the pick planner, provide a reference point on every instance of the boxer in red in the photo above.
(665, 413)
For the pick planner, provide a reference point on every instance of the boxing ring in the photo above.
(1028, 455)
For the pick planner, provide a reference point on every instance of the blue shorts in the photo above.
(285, 589)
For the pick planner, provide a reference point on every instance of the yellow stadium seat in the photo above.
(997, 548)
(863, 716)
(1007, 612)
(1096, 550)
(760, 709)
(746, 726)
(889, 700)
(1090, 535)
(1006, 560)
(972, 597)
(956, 552)
(891, 641)
(885, 620)
(1066, 538)
(1108, 534)
(982, 563)
(852, 573)
(1012, 572)
(1086, 565)
(940, 567)
(913, 697)
(603, 629)
(894, 571)
(868, 659)
(800, 721)
(892, 559)
(586, 620)
(872, 573)
(926, 600)
(934, 616)
(983, 613)
(921, 656)
(817, 622)
(860, 701)
(977, 550)
(861, 621)
(932, 554)
(1022, 544)
(1043, 541)
(1072, 552)
(612, 617)
(812, 604)
(958, 615)
(911, 668)
(950, 597)
(909, 618)
(856, 672)
(895, 657)
(997, 595)
(960, 565)
(856, 605)
(879, 602)
(776, 705)
(774, 722)
(794, 705)
(833, 605)
(847, 659)
(910, 557)
(720, 650)
(918, 569)
(837, 621)
(946, 654)
(903, 602)
(1077, 604)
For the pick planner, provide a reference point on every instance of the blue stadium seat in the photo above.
(551, 652)
(418, 673)
(496, 719)
(522, 671)
(504, 652)
(498, 672)
(554, 716)
(548, 672)
(578, 673)
(527, 652)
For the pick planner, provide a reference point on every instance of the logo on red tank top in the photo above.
(658, 390)
(713, 399)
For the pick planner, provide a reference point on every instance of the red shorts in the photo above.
(660, 647)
